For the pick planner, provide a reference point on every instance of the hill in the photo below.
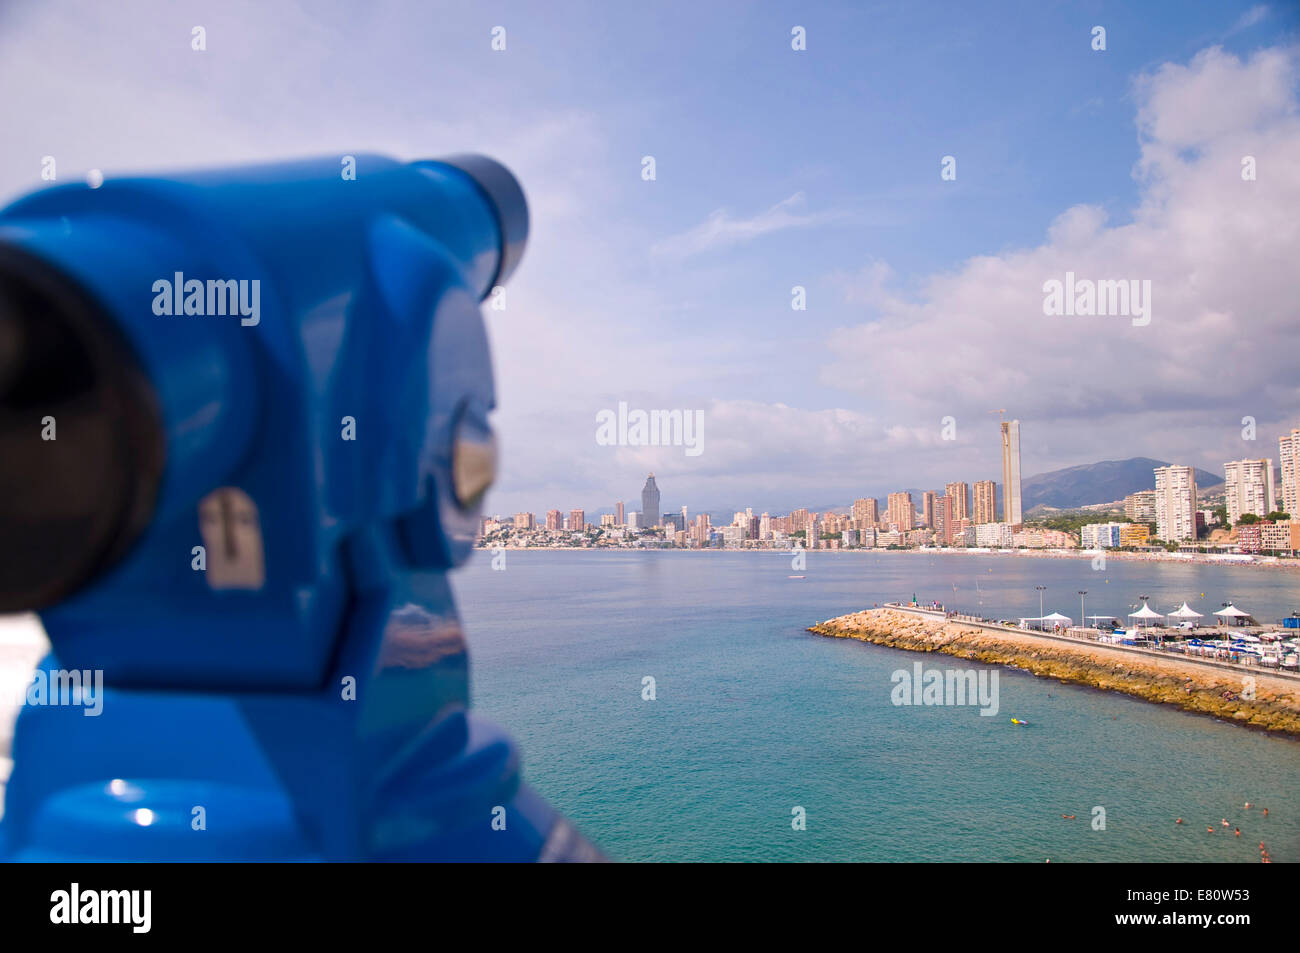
(1097, 483)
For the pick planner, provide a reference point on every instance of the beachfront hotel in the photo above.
(959, 493)
(985, 495)
(901, 513)
(1289, 451)
(1248, 488)
(1175, 503)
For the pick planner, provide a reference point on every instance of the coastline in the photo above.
(1275, 707)
(1198, 559)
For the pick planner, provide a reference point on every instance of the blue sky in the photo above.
(775, 168)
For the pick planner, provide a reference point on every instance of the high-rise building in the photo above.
(577, 521)
(901, 511)
(765, 526)
(620, 518)
(1140, 507)
(608, 519)
(986, 492)
(1289, 452)
(554, 520)
(650, 503)
(943, 520)
(701, 530)
(1175, 503)
(1011, 472)
(1248, 488)
(959, 493)
(867, 512)
(798, 521)
(927, 508)
(524, 521)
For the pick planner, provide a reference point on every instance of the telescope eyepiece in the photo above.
(80, 437)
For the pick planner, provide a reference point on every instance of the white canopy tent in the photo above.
(1231, 613)
(1042, 621)
(1145, 614)
(1185, 612)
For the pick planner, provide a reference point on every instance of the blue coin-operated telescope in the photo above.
(243, 437)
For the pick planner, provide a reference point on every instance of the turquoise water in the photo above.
(755, 716)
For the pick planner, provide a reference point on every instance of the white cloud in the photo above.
(720, 230)
(1220, 252)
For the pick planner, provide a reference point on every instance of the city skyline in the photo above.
(762, 186)
(1173, 507)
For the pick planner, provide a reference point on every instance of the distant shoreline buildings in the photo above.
(1166, 516)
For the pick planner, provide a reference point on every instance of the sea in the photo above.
(674, 707)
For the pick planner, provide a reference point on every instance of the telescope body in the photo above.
(269, 392)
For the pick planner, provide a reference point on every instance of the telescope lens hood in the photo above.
(507, 197)
(81, 438)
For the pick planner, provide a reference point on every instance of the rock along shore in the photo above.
(1166, 680)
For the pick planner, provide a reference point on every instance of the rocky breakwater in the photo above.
(1250, 697)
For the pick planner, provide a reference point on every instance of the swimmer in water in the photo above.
(1236, 831)
(1224, 822)
(1179, 821)
(1248, 805)
(1266, 812)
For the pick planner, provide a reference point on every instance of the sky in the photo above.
(776, 168)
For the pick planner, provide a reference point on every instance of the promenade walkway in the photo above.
(1094, 641)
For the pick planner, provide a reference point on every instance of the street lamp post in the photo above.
(1040, 605)
(1083, 619)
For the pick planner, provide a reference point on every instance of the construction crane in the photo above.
(1001, 412)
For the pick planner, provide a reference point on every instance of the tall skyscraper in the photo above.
(867, 512)
(986, 492)
(620, 517)
(901, 511)
(554, 520)
(1289, 451)
(959, 493)
(577, 521)
(928, 499)
(524, 521)
(650, 503)
(1175, 503)
(943, 519)
(1248, 488)
(1011, 471)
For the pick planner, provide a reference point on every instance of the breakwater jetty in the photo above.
(1265, 700)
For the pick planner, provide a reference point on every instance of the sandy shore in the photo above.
(1274, 707)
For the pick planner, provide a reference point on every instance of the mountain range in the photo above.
(1097, 483)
